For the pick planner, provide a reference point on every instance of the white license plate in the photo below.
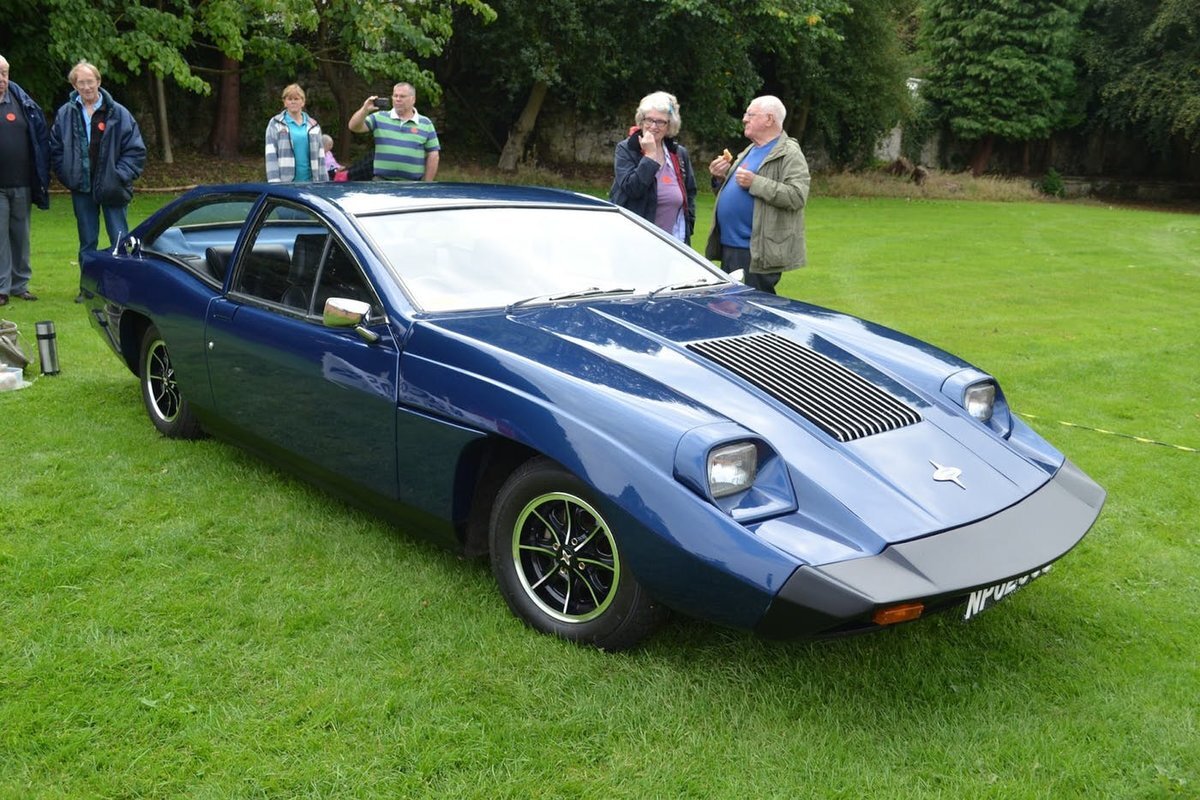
(983, 599)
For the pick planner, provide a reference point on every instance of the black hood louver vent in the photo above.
(834, 398)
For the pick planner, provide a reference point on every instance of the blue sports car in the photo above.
(539, 376)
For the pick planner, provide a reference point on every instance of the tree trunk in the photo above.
(982, 155)
(346, 104)
(164, 130)
(797, 120)
(519, 133)
(223, 139)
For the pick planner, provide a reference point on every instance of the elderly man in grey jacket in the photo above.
(761, 194)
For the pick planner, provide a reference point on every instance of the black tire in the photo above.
(165, 405)
(558, 564)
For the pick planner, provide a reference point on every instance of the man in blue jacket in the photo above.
(97, 152)
(24, 181)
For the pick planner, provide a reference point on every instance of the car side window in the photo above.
(341, 277)
(293, 261)
(202, 236)
(265, 269)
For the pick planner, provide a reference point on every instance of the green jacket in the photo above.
(780, 192)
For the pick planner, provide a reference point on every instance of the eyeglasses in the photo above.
(755, 114)
(655, 123)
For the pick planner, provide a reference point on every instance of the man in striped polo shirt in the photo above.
(406, 143)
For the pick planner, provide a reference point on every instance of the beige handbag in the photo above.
(11, 352)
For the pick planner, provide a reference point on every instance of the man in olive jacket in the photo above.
(759, 225)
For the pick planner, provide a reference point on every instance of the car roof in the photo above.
(373, 197)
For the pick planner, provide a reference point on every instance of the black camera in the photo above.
(383, 103)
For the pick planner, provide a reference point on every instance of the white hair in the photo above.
(663, 103)
(772, 105)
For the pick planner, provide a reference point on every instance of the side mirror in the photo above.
(128, 246)
(342, 312)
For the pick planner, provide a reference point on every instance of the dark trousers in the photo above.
(87, 221)
(15, 269)
(735, 258)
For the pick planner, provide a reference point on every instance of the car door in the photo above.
(322, 397)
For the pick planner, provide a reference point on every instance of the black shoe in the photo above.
(26, 295)
(3, 299)
(80, 298)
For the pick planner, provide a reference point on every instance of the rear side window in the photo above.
(202, 236)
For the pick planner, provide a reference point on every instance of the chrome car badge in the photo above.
(950, 474)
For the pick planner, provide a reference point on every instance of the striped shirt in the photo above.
(401, 145)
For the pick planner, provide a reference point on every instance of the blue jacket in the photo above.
(120, 157)
(39, 144)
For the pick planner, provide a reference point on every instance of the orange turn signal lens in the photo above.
(903, 612)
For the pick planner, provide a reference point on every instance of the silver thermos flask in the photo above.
(47, 343)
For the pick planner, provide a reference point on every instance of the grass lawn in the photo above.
(178, 619)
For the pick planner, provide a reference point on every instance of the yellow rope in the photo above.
(1141, 439)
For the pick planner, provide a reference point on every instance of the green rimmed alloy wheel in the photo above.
(558, 563)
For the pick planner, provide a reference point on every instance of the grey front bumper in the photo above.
(940, 569)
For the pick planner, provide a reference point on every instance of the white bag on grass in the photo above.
(11, 352)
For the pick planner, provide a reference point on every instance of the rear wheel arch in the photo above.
(169, 410)
(132, 331)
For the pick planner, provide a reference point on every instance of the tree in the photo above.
(591, 56)
(1143, 59)
(24, 41)
(385, 41)
(1000, 68)
(373, 38)
(732, 53)
(232, 32)
(849, 87)
(126, 38)
(536, 46)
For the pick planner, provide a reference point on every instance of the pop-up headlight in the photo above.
(979, 398)
(732, 468)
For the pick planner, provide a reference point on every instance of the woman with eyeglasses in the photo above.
(653, 175)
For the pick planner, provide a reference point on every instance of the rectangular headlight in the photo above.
(732, 468)
(979, 399)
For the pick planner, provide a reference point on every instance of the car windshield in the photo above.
(472, 258)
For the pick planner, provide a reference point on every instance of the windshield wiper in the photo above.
(590, 291)
(675, 287)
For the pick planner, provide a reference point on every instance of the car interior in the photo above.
(293, 261)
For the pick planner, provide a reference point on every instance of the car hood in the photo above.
(907, 462)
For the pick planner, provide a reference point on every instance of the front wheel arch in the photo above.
(559, 564)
